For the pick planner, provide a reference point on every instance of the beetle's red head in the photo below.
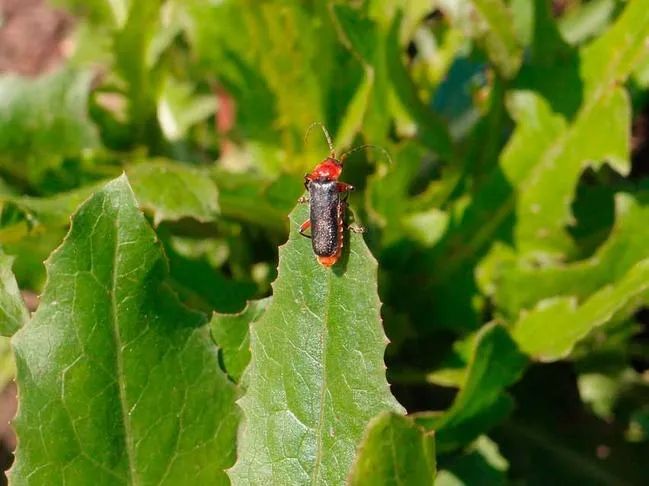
(330, 169)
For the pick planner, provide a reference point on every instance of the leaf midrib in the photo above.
(119, 360)
(323, 387)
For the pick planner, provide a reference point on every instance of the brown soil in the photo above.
(31, 35)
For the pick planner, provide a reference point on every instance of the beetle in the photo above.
(327, 204)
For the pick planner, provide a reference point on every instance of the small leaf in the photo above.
(496, 364)
(13, 313)
(173, 191)
(395, 450)
(551, 330)
(119, 383)
(317, 375)
(231, 332)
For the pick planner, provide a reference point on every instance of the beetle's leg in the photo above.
(305, 199)
(305, 226)
(344, 189)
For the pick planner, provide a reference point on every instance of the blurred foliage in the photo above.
(509, 222)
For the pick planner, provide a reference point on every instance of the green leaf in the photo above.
(7, 364)
(495, 365)
(254, 199)
(545, 192)
(520, 286)
(173, 191)
(231, 333)
(169, 190)
(119, 383)
(44, 120)
(37, 215)
(550, 331)
(317, 376)
(482, 465)
(491, 22)
(543, 161)
(13, 313)
(395, 450)
(434, 132)
(587, 21)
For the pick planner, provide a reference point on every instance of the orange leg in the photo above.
(304, 227)
(345, 188)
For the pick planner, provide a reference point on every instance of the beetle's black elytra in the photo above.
(325, 209)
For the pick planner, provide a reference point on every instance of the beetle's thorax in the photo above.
(329, 169)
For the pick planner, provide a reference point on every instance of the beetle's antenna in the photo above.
(385, 152)
(332, 152)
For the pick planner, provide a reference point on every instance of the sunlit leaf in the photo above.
(121, 378)
(395, 450)
(173, 191)
(317, 376)
(554, 326)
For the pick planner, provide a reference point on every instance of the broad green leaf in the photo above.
(231, 332)
(495, 365)
(395, 450)
(490, 22)
(550, 331)
(120, 378)
(316, 377)
(44, 120)
(173, 191)
(520, 286)
(13, 313)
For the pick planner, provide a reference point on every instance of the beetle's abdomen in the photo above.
(324, 200)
